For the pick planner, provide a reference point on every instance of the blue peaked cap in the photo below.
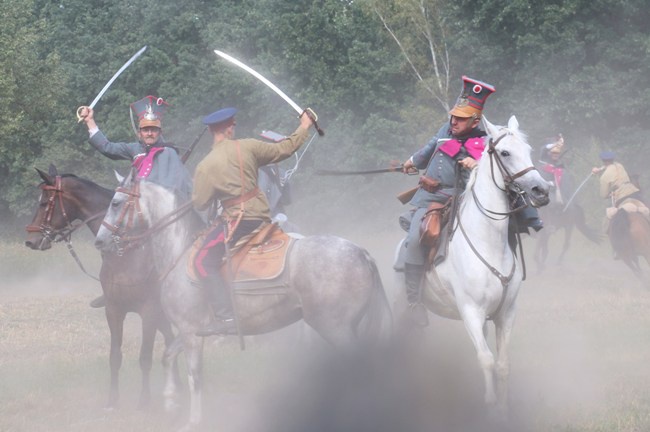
(219, 116)
(607, 155)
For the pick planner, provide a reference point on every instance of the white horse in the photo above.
(479, 279)
(333, 284)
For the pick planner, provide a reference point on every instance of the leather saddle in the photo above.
(263, 257)
(258, 265)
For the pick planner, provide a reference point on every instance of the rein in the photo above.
(509, 185)
(130, 211)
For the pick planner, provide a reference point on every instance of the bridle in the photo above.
(45, 228)
(510, 185)
(132, 213)
(55, 235)
(509, 181)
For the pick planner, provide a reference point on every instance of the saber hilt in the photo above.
(314, 118)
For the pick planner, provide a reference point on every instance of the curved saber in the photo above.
(576, 192)
(110, 82)
(273, 87)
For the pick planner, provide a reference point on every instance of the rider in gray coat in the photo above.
(447, 160)
(151, 157)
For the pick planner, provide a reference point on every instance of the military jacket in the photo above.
(167, 169)
(442, 167)
(220, 176)
(615, 183)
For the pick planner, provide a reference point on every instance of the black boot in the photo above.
(99, 302)
(224, 321)
(416, 312)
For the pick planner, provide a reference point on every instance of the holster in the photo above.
(428, 184)
(431, 223)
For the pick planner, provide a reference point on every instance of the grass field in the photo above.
(579, 354)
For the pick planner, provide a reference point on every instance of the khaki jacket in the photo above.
(219, 177)
(615, 183)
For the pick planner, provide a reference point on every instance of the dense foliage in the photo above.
(578, 67)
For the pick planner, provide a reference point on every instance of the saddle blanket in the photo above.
(630, 205)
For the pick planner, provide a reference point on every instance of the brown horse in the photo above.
(128, 280)
(556, 217)
(629, 234)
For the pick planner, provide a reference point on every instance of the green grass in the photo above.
(579, 353)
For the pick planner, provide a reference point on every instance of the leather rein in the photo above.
(510, 185)
(131, 212)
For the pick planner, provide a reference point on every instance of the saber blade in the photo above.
(259, 76)
(117, 74)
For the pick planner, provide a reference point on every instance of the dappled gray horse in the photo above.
(333, 284)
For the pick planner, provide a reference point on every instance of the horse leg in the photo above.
(173, 347)
(149, 327)
(503, 329)
(172, 380)
(115, 319)
(193, 347)
(475, 323)
(568, 232)
(541, 251)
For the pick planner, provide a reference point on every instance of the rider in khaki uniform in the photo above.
(227, 177)
(614, 181)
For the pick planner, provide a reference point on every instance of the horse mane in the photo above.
(172, 201)
(86, 182)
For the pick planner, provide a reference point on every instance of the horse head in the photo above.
(58, 207)
(132, 214)
(509, 153)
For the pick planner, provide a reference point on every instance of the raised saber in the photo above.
(576, 192)
(273, 87)
(110, 82)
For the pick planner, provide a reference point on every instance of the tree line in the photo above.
(380, 74)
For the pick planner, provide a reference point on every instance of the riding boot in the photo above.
(99, 302)
(416, 312)
(221, 303)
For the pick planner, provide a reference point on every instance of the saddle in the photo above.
(630, 205)
(262, 257)
(257, 265)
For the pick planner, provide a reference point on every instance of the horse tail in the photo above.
(582, 226)
(377, 322)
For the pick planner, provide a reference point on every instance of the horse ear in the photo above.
(52, 170)
(513, 124)
(119, 178)
(46, 177)
(490, 128)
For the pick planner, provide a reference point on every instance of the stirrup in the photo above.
(219, 327)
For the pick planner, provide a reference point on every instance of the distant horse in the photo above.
(333, 284)
(556, 218)
(480, 277)
(128, 281)
(629, 234)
